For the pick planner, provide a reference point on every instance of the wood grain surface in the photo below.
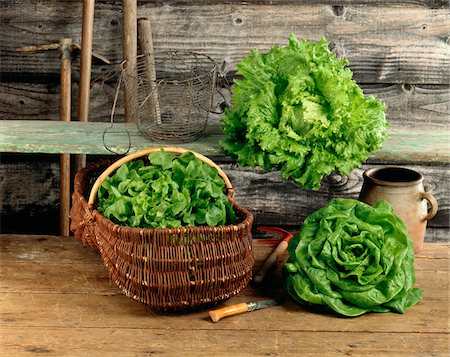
(47, 137)
(384, 44)
(279, 202)
(270, 198)
(408, 106)
(56, 300)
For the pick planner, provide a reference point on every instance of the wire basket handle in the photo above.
(137, 154)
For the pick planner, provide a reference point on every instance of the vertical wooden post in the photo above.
(87, 35)
(65, 115)
(145, 42)
(129, 43)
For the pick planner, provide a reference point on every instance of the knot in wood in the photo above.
(338, 10)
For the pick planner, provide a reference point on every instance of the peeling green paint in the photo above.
(54, 137)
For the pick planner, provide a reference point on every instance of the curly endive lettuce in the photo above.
(171, 192)
(298, 109)
(353, 258)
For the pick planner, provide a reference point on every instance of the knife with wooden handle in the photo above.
(237, 309)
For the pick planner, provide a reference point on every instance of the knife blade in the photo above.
(237, 309)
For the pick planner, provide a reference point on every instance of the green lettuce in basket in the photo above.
(297, 109)
(352, 258)
(173, 191)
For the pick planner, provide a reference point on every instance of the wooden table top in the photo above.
(56, 300)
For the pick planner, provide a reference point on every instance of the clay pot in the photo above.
(403, 189)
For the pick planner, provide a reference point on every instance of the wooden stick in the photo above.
(145, 41)
(65, 47)
(129, 42)
(94, 54)
(87, 35)
(270, 262)
(65, 115)
(33, 49)
(276, 254)
(56, 46)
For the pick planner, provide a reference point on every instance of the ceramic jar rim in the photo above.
(370, 174)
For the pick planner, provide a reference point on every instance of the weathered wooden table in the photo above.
(56, 300)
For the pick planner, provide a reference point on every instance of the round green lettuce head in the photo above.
(352, 258)
(298, 109)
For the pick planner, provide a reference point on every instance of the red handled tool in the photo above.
(279, 250)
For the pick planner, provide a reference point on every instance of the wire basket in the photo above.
(170, 96)
(166, 269)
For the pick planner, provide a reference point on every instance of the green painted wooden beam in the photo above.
(54, 137)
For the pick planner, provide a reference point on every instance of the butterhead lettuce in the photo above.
(298, 109)
(352, 258)
(171, 191)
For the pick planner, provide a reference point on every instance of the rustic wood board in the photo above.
(41, 136)
(139, 342)
(77, 311)
(276, 201)
(24, 259)
(75, 137)
(408, 106)
(398, 50)
(270, 198)
(385, 43)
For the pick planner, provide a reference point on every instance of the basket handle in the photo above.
(135, 155)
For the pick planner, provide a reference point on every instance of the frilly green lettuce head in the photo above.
(298, 109)
(352, 258)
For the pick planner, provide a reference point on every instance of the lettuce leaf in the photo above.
(173, 191)
(298, 109)
(352, 258)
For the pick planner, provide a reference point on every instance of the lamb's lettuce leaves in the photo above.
(173, 191)
(352, 258)
(298, 109)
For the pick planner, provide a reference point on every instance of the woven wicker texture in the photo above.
(166, 269)
(81, 218)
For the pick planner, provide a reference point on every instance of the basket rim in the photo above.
(170, 55)
(142, 231)
(156, 55)
(172, 149)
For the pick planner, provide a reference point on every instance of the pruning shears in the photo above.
(279, 250)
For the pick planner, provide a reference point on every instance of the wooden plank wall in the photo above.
(398, 51)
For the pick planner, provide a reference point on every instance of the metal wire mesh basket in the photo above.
(171, 94)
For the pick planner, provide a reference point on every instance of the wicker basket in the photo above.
(155, 266)
(81, 215)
